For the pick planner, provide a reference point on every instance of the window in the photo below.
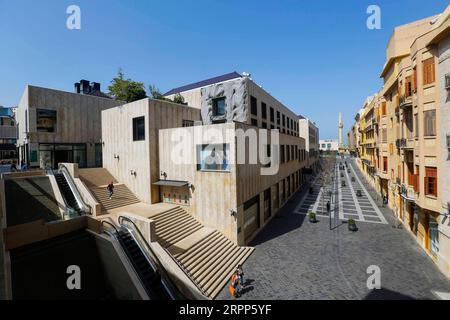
(46, 120)
(416, 125)
(414, 80)
(255, 122)
(384, 135)
(428, 71)
(264, 125)
(139, 129)
(429, 123)
(383, 108)
(188, 123)
(288, 122)
(288, 155)
(431, 181)
(219, 107)
(282, 154)
(385, 164)
(213, 157)
(284, 120)
(408, 86)
(272, 115)
(253, 106)
(278, 118)
(264, 110)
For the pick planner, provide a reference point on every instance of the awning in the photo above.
(171, 183)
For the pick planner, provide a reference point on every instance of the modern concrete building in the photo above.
(411, 133)
(310, 132)
(329, 145)
(57, 126)
(8, 137)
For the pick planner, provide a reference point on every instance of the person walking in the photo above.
(235, 287)
(110, 189)
(240, 273)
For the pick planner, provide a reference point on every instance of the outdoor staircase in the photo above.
(174, 225)
(209, 262)
(122, 197)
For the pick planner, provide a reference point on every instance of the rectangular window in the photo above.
(46, 120)
(384, 135)
(288, 122)
(219, 108)
(263, 110)
(282, 156)
(255, 122)
(288, 153)
(213, 157)
(253, 106)
(264, 125)
(188, 123)
(278, 118)
(416, 125)
(284, 120)
(383, 108)
(414, 80)
(429, 123)
(428, 71)
(431, 181)
(139, 129)
(385, 164)
(408, 86)
(272, 115)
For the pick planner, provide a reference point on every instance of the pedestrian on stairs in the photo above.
(110, 189)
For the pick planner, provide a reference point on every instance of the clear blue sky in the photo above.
(317, 57)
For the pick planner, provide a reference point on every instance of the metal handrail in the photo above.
(109, 223)
(153, 255)
(83, 205)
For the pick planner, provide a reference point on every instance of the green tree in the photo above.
(126, 89)
(178, 98)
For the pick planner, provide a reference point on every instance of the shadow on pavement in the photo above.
(386, 294)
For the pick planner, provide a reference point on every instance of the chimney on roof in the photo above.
(77, 87)
(85, 87)
(95, 86)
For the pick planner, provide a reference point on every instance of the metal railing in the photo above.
(86, 208)
(150, 255)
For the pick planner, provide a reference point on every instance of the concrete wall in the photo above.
(214, 194)
(141, 157)
(78, 118)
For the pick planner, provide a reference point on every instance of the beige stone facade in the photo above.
(410, 152)
(57, 126)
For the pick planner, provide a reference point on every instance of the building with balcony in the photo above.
(413, 142)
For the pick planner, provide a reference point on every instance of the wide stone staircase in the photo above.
(210, 260)
(207, 256)
(97, 179)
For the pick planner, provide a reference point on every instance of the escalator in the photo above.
(67, 193)
(151, 273)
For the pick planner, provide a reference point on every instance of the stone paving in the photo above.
(296, 259)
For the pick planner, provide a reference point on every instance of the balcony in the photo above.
(8, 132)
(400, 143)
(405, 101)
(408, 192)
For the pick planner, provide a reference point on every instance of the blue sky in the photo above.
(317, 57)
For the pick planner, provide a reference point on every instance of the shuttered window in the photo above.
(428, 71)
(431, 181)
(429, 123)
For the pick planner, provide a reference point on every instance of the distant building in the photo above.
(329, 145)
(310, 132)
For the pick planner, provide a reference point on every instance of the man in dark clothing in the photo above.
(110, 189)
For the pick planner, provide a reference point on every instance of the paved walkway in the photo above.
(296, 259)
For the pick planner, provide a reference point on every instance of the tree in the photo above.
(178, 98)
(126, 89)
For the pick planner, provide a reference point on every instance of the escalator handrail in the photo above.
(153, 259)
(111, 224)
(86, 208)
(157, 260)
